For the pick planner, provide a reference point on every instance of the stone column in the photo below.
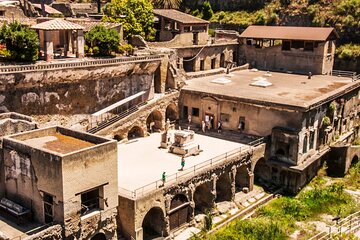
(80, 44)
(232, 175)
(49, 47)
(251, 180)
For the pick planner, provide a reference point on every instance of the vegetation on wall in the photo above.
(21, 43)
(348, 52)
(101, 40)
(136, 16)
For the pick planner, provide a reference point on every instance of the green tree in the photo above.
(136, 16)
(104, 39)
(207, 11)
(21, 42)
(167, 4)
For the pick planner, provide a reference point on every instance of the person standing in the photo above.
(163, 178)
(203, 126)
(182, 163)
(219, 126)
(189, 119)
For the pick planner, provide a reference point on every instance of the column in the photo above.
(49, 46)
(232, 176)
(80, 44)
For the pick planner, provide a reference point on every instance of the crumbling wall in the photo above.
(77, 90)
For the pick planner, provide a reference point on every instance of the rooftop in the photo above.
(57, 140)
(292, 90)
(290, 33)
(135, 172)
(179, 16)
(57, 24)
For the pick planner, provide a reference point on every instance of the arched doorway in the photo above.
(135, 132)
(223, 188)
(153, 224)
(262, 172)
(99, 236)
(203, 198)
(157, 80)
(222, 60)
(154, 121)
(242, 178)
(354, 160)
(172, 112)
(118, 137)
(179, 211)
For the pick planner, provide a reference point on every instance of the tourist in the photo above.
(182, 163)
(189, 119)
(211, 123)
(203, 126)
(163, 178)
(219, 126)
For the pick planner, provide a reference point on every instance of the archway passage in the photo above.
(172, 112)
(242, 178)
(99, 236)
(354, 160)
(153, 224)
(223, 188)
(135, 132)
(154, 121)
(262, 172)
(179, 211)
(203, 198)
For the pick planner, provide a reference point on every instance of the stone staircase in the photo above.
(116, 118)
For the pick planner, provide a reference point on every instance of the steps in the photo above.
(116, 118)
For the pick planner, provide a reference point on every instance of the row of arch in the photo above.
(154, 122)
(182, 208)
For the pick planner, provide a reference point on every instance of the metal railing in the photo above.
(75, 64)
(350, 224)
(341, 73)
(190, 172)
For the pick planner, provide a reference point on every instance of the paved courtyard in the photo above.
(141, 161)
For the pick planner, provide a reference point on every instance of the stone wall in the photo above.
(296, 60)
(75, 90)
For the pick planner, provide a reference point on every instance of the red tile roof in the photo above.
(57, 24)
(290, 33)
(179, 16)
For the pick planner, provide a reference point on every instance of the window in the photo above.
(285, 45)
(305, 144)
(297, 44)
(48, 208)
(311, 140)
(195, 112)
(2, 13)
(187, 29)
(309, 46)
(90, 201)
(241, 126)
(330, 45)
(224, 117)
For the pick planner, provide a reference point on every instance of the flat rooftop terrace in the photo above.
(287, 89)
(58, 140)
(142, 162)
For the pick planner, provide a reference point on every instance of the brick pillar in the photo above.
(80, 44)
(49, 47)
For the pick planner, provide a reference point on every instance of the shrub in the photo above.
(21, 42)
(126, 48)
(208, 221)
(102, 40)
(211, 32)
(326, 121)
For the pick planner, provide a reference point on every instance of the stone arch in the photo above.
(203, 198)
(172, 112)
(99, 236)
(135, 132)
(180, 211)
(354, 160)
(153, 223)
(154, 121)
(262, 171)
(223, 188)
(242, 178)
